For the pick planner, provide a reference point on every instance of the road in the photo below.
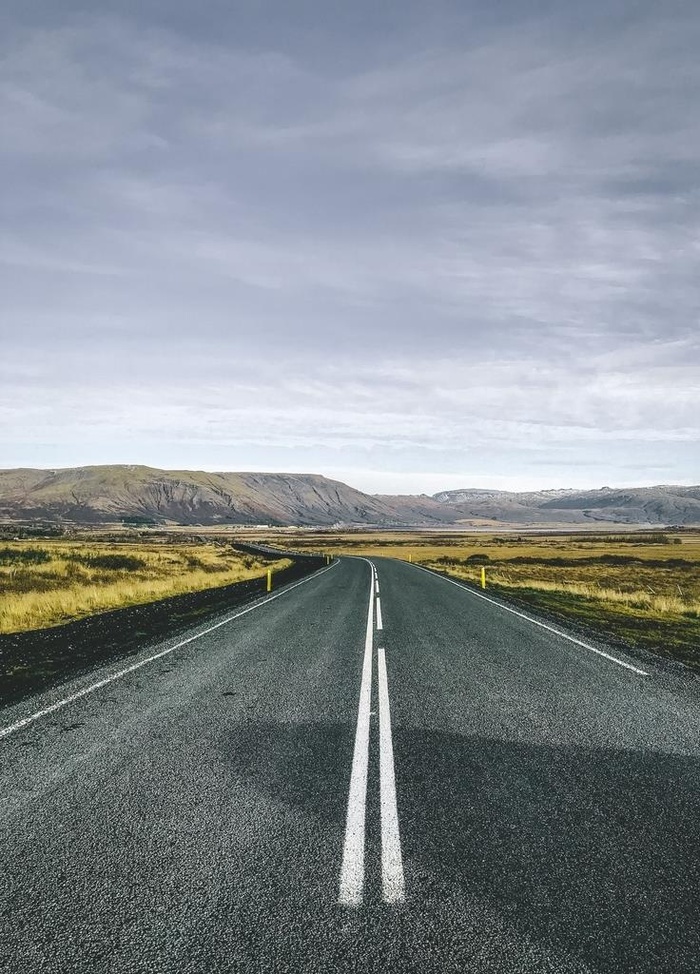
(298, 789)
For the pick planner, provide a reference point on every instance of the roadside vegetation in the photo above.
(46, 583)
(641, 588)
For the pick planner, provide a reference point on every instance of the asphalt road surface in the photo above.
(375, 770)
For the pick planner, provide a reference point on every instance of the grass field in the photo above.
(46, 583)
(642, 588)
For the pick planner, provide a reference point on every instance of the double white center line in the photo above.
(353, 867)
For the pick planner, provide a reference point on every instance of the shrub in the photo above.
(124, 563)
(193, 562)
(30, 556)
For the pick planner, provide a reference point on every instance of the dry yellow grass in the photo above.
(431, 544)
(656, 591)
(45, 583)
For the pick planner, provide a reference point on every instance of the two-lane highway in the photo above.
(376, 770)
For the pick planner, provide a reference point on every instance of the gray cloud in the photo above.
(416, 243)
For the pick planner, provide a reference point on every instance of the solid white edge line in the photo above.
(380, 624)
(352, 871)
(393, 887)
(536, 622)
(25, 721)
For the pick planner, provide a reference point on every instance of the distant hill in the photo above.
(111, 493)
(139, 494)
(636, 505)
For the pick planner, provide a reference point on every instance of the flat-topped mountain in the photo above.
(139, 494)
(111, 493)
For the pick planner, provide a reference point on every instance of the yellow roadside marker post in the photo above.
(269, 579)
(483, 578)
(410, 558)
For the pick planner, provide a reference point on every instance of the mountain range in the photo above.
(139, 494)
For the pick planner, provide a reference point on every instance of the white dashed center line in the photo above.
(353, 865)
(352, 872)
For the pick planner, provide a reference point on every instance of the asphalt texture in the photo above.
(190, 815)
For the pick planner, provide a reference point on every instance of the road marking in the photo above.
(352, 872)
(536, 622)
(6, 731)
(392, 863)
(380, 624)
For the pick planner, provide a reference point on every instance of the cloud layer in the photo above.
(395, 247)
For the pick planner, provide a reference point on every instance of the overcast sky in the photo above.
(410, 245)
